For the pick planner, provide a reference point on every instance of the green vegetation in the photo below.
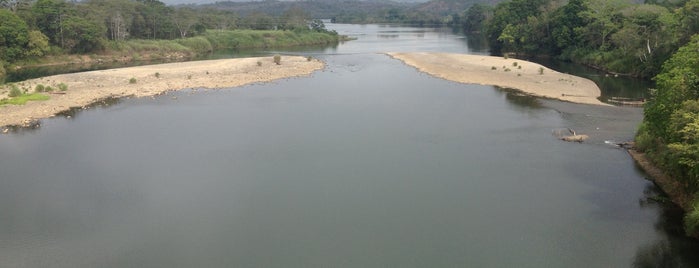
(62, 87)
(619, 36)
(132, 80)
(24, 98)
(14, 91)
(39, 88)
(669, 134)
(136, 29)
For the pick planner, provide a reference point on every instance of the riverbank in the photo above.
(86, 88)
(528, 77)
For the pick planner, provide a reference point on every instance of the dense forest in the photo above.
(32, 30)
(433, 13)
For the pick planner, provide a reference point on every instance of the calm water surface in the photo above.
(367, 163)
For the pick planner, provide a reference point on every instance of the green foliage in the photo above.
(157, 75)
(24, 98)
(679, 81)
(541, 70)
(14, 91)
(48, 89)
(81, 35)
(14, 35)
(62, 87)
(644, 141)
(198, 44)
(615, 35)
(132, 80)
(39, 88)
(277, 59)
(691, 219)
(2, 72)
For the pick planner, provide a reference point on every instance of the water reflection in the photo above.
(676, 250)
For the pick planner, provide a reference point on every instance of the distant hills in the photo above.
(358, 11)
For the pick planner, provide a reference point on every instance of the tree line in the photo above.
(619, 36)
(34, 28)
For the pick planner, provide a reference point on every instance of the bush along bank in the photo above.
(188, 48)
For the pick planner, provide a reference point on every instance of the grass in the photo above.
(24, 98)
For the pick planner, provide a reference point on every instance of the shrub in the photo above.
(541, 70)
(644, 141)
(189, 77)
(157, 75)
(278, 59)
(132, 80)
(493, 68)
(519, 67)
(48, 89)
(506, 56)
(259, 63)
(62, 87)
(39, 88)
(691, 220)
(309, 58)
(14, 91)
(514, 64)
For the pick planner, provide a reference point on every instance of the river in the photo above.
(367, 163)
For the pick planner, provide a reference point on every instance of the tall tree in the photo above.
(14, 36)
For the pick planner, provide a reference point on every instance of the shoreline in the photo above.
(530, 78)
(86, 88)
(669, 186)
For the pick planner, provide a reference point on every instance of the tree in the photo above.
(49, 15)
(83, 35)
(476, 17)
(38, 44)
(184, 20)
(14, 36)
(678, 82)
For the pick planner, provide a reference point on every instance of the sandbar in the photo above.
(86, 88)
(528, 77)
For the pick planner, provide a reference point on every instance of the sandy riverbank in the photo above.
(89, 87)
(510, 73)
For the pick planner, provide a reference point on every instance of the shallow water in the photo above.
(367, 163)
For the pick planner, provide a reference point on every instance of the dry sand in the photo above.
(475, 69)
(89, 87)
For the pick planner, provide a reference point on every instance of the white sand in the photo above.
(526, 76)
(89, 87)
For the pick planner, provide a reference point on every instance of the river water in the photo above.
(367, 163)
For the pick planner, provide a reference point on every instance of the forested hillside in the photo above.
(31, 30)
(434, 12)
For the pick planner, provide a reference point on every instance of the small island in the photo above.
(528, 77)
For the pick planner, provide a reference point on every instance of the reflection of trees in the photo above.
(676, 250)
(519, 99)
